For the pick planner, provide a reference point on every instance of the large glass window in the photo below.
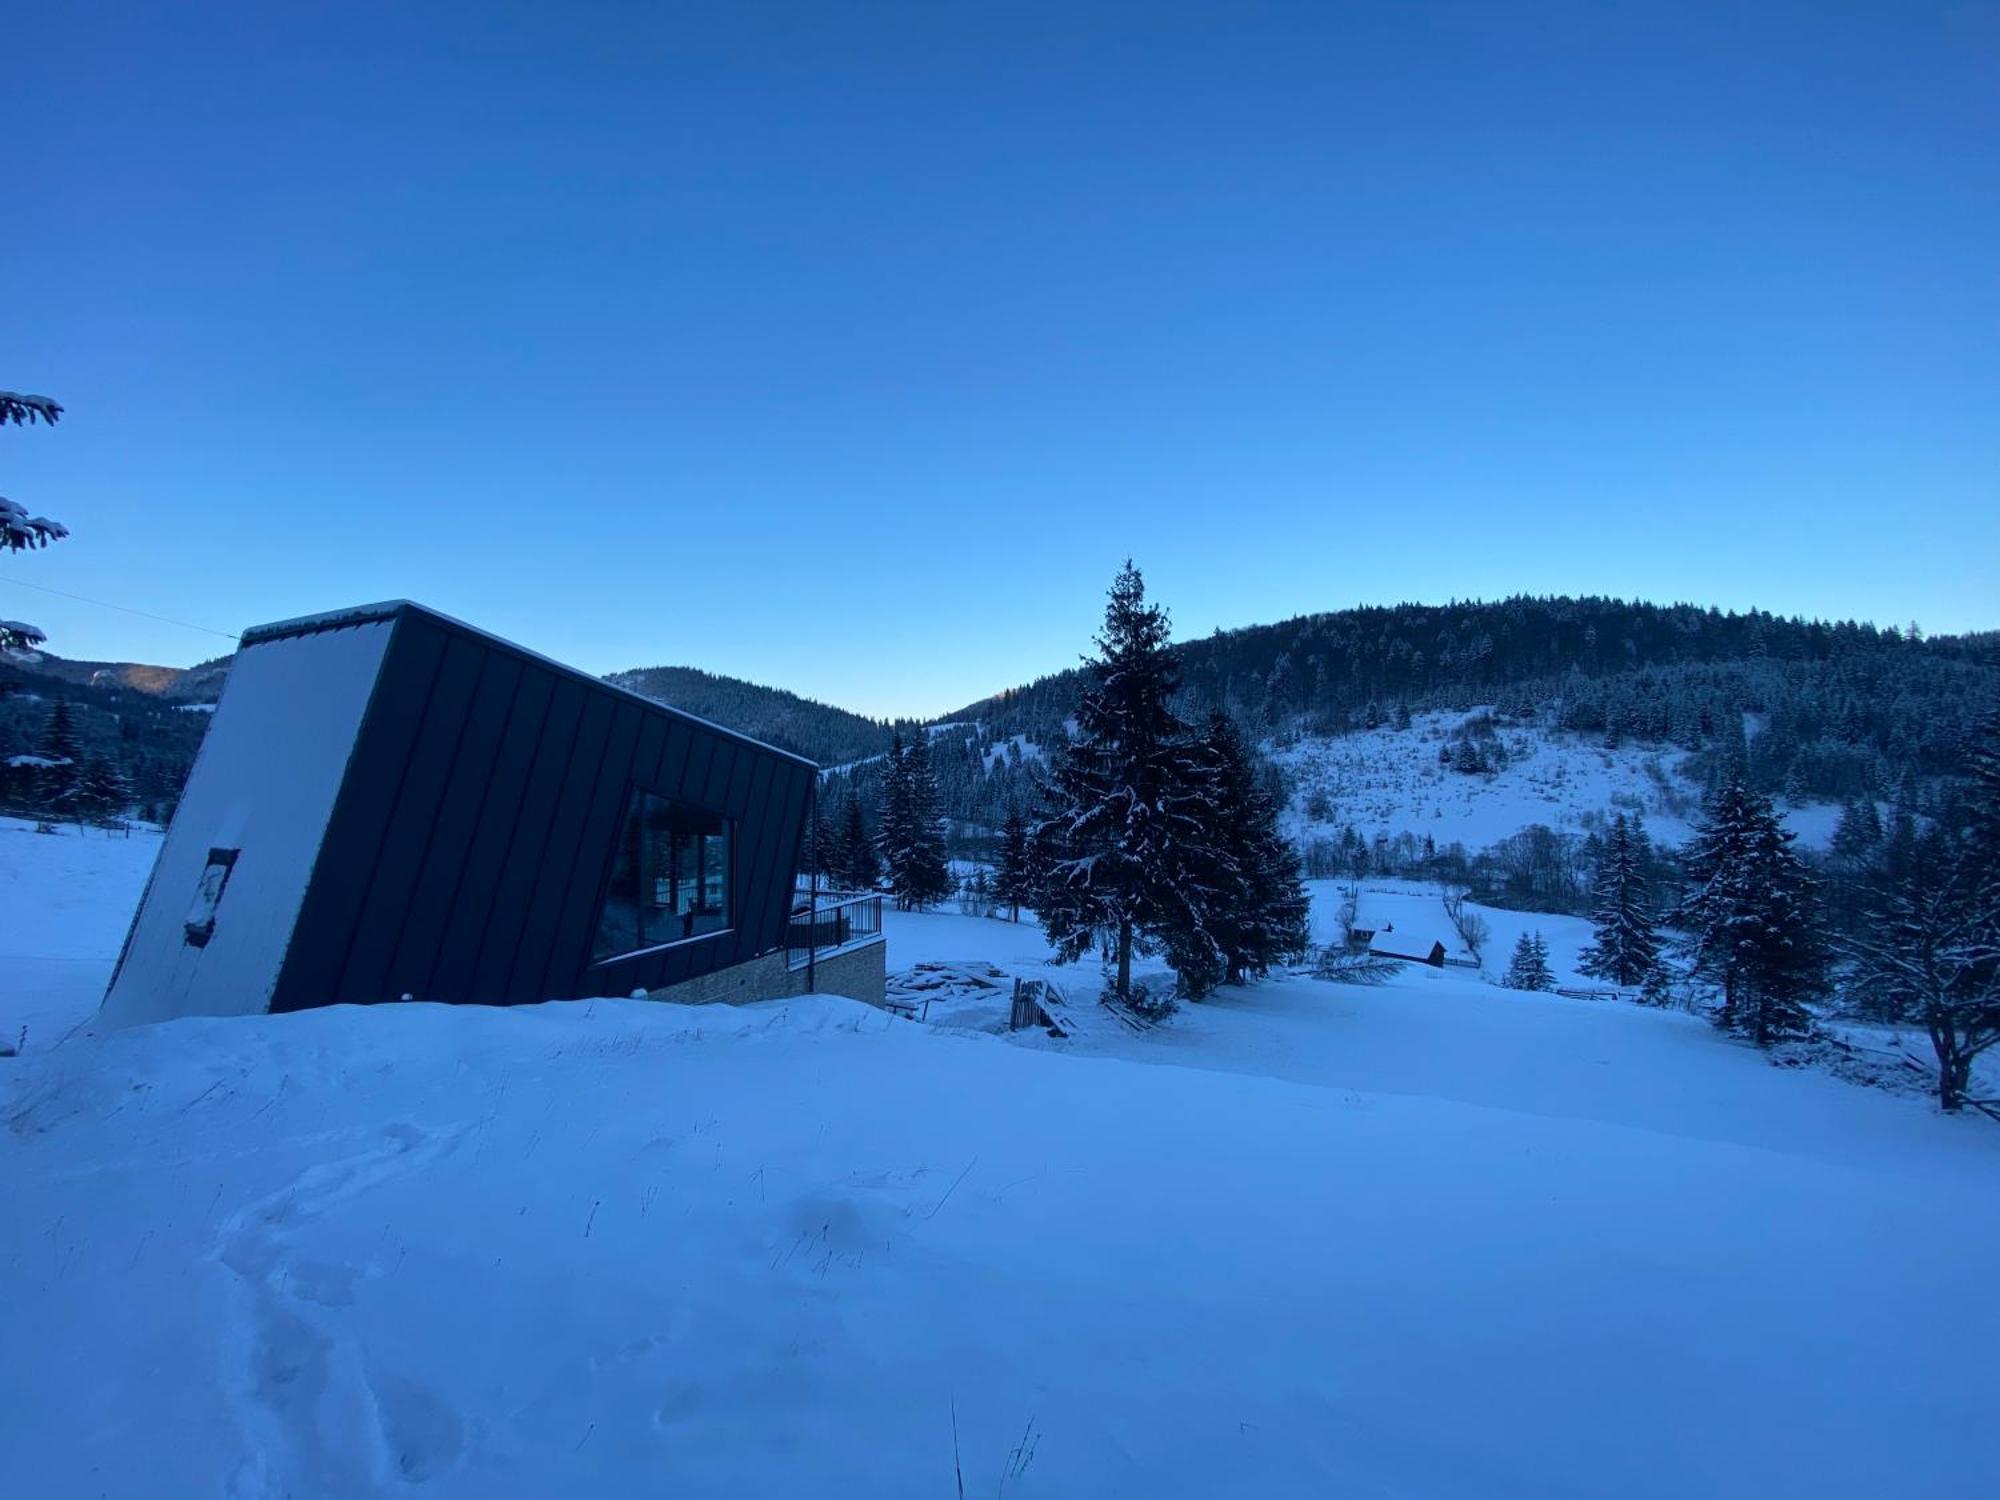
(670, 879)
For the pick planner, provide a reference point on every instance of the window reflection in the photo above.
(671, 877)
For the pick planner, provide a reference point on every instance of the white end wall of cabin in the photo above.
(264, 784)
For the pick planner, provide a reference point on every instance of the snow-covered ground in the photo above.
(1389, 781)
(68, 898)
(1432, 1238)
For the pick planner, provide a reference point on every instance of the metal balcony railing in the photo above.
(830, 922)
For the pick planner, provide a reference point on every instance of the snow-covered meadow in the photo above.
(69, 895)
(1431, 1238)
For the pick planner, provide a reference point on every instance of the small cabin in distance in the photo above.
(1399, 924)
(1416, 948)
(393, 805)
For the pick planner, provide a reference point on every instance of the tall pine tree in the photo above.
(1928, 948)
(58, 782)
(1013, 882)
(1752, 917)
(911, 835)
(1625, 948)
(858, 866)
(824, 848)
(1257, 906)
(1123, 833)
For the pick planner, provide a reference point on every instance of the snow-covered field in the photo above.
(68, 898)
(1389, 781)
(1434, 1238)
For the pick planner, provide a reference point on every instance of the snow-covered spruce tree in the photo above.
(60, 753)
(1529, 968)
(1752, 917)
(823, 846)
(858, 868)
(928, 877)
(1624, 948)
(1013, 881)
(1927, 951)
(893, 818)
(1122, 836)
(1257, 916)
(1859, 831)
(19, 531)
(910, 834)
(101, 792)
(1928, 954)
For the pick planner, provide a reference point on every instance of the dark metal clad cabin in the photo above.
(391, 804)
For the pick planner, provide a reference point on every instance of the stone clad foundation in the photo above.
(860, 972)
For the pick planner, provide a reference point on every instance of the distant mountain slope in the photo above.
(818, 731)
(135, 717)
(1319, 673)
(1835, 711)
(196, 684)
(1839, 701)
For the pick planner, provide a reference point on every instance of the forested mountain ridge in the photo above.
(1820, 711)
(1845, 697)
(804, 726)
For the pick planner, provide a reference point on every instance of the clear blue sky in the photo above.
(850, 347)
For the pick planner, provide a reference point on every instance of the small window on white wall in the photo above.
(200, 925)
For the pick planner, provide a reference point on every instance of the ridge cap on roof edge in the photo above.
(367, 614)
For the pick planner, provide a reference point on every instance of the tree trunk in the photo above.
(1124, 960)
(1954, 1066)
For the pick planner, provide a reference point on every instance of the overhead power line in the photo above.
(42, 588)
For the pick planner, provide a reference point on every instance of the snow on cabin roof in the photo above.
(389, 609)
(1412, 940)
(333, 619)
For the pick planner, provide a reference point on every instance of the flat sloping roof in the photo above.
(389, 609)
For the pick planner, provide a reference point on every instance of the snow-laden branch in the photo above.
(22, 409)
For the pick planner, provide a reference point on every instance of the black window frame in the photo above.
(731, 825)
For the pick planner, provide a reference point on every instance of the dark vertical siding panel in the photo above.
(665, 777)
(445, 860)
(544, 937)
(602, 829)
(783, 817)
(750, 878)
(360, 818)
(728, 760)
(412, 821)
(694, 769)
(788, 818)
(531, 835)
(465, 931)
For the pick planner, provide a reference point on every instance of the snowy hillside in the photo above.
(1391, 781)
(1431, 1239)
